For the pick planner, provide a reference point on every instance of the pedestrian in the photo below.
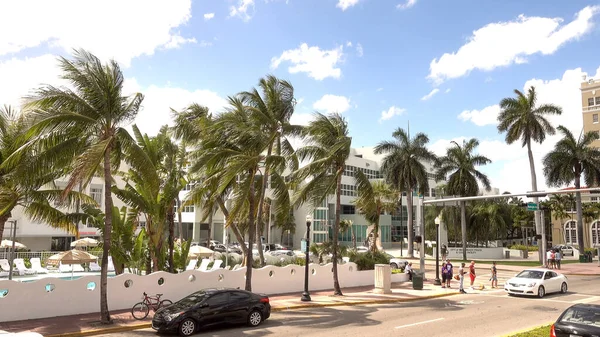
(472, 273)
(444, 274)
(448, 273)
(549, 259)
(461, 278)
(494, 277)
(444, 252)
(408, 270)
(557, 258)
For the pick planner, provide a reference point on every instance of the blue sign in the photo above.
(303, 246)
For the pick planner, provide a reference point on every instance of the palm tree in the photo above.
(403, 168)
(522, 120)
(373, 199)
(94, 110)
(488, 220)
(459, 165)
(570, 160)
(326, 152)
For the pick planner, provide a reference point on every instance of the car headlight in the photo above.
(171, 317)
(531, 284)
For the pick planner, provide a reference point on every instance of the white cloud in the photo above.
(318, 64)
(447, 90)
(349, 44)
(177, 41)
(70, 25)
(205, 43)
(485, 116)
(359, 50)
(430, 94)
(241, 11)
(379, 89)
(345, 4)
(301, 118)
(209, 16)
(391, 112)
(504, 43)
(332, 103)
(407, 4)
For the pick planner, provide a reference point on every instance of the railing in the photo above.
(43, 255)
(591, 108)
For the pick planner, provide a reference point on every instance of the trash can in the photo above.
(581, 258)
(417, 280)
(507, 254)
(524, 253)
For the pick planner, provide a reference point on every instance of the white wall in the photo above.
(31, 300)
(477, 253)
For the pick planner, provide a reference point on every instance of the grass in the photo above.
(517, 263)
(543, 331)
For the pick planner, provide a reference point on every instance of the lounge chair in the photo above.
(236, 266)
(4, 274)
(192, 265)
(204, 265)
(217, 265)
(64, 268)
(78, 268)
(5, 266)
(36, 265)
(23, 270)
(95, 266)
(111, 266)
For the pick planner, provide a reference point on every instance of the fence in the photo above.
(5, 254)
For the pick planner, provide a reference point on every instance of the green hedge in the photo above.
(367, 261)
(523, 247)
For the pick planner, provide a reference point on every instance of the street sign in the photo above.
(532, 206)
(303, 246)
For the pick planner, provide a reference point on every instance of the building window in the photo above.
(570, 229)
(432, 194)
(189, 186)
(596, 233)
(96, 194)
(595, 118)
(188, 209)
(598, 100)
(348, 209)
(594, 199)
(591, 101)
(142, 224)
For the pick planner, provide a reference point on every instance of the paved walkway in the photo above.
(88, 324)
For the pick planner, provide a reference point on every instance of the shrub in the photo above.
(594, 251)
(523, 247)
(367, 261)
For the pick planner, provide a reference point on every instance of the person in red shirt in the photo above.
(472, 273)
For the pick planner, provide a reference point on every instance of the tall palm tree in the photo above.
(403, 168)
(373, 199)
(488, 220)
(459, 165)
(572, 159)
(326, 152)
(95, 110)
(522, 120)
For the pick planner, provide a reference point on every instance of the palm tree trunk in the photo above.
(536, 215)
(234, 228)
(261, 200)
(353, 236)
(108, 212)
(580, 242)
(210, 223)
(409, 223)
(336, 229)
(2, 225)
(463, 228)
(251, 228)
(179, 222)
(171, 220)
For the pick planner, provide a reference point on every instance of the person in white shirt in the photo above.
(549, 259)
(408, 270)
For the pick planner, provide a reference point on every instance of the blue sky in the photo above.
(441, 65)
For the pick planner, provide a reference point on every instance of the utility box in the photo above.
(383, 279)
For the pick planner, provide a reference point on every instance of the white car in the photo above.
(536, 282)
(398, 263)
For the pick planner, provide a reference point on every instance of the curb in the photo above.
(527, 330)
(277, 309)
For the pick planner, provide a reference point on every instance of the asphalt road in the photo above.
(481, 314)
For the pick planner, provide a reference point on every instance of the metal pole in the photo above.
(12, 251)
(422, 230)
(543, 245)
(437, 281)
(306, 294)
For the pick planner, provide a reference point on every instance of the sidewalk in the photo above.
(88, 324)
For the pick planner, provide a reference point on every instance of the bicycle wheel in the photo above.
(165, 303)
(140, 311)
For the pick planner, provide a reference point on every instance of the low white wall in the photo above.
(477, 253)
(402, 277)
(30, 300)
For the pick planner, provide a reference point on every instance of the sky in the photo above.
(439, 66)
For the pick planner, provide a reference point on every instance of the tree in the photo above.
(571, 160)
(326, 152)
(522, 120)
(487, 221)
(459, 165)
(373, 199)
(403, 168)
(94, 110)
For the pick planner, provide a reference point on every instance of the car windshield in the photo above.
(584, 316)
(193, 299)
(534, 274)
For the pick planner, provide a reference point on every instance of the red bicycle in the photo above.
(142, 309)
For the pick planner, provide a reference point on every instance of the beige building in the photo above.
(590, 101)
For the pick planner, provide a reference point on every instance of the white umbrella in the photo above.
(201, 251)
(85, 242)
(72, 257)
(6, 244)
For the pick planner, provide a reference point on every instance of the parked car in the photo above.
(281, 247)
(398, 263)
(220, 248)
(565, 250)
(362, 249)
(212, 306)
(536, 282)
(578, 320)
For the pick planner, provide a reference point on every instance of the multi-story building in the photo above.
(564, 230)
(590, 102)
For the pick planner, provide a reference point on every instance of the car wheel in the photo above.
(187, 327)
(541, 292)
(394, 265)
(254, 318)
(563, 288)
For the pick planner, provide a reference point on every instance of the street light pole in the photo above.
(12, 250)
(437, 281)
(306, 294)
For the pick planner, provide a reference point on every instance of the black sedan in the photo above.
(211, 307)
(581, 320)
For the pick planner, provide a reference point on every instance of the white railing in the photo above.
(43, 255)
(591, 108)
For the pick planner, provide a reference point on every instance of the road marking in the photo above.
(419, 323)
(588, 300)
